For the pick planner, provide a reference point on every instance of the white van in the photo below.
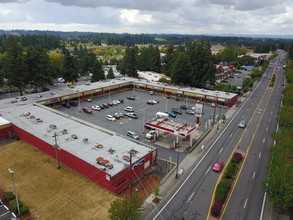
(162, 115)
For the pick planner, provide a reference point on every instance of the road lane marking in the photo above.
(247, 109)
(190, 197)
(253, 175)
(209, 169)
(245, 203)
(269, 119)
(271, 113)
(242, 116)
(267, 128)
(263, 140)
(220, 151)
(259, 155)
(230, 135)
(273, 106)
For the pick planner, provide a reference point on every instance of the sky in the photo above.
(208, 17)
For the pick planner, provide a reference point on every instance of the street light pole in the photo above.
(14, 189)
(176, 145)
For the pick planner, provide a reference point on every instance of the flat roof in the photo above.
(39, 120)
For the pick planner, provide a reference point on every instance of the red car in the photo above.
(219, 165)
(87, 110)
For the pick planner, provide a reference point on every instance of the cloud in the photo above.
(132, 17)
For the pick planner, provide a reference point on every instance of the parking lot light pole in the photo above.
(14, 189)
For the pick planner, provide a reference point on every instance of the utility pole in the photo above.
(56, 148)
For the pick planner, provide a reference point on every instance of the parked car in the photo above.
(116, 115)
(87, 110)
(131, 97)
(151, 92)
(171, 114)
(219, 165)
(121, 100)
(183, 107)
(133, 135)
(131, 115)
(96, 107)
(190, 111)
(73, 103)
(110, 104)
(101, 106)
(213, 104)
(242, 124)
(151, 102)
(176, 111)
(88, 100)
(111, 118)
(151, 134)
(105, 105)
(23, 98)
(66, 104)
(129, 109)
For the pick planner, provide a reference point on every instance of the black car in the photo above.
(131, 97)
(72, 103)
(184, 107)
(102, 106)
(66, 104)
(176, 111)
(121, 100)
(105, 105)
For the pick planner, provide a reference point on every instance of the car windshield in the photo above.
(217, 164)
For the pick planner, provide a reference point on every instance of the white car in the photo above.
(110, 118)
(96, 107)
(129, 109)
(242, 124)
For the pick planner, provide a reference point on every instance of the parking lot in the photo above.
(143, 111)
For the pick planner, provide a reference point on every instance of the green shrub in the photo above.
(231, 169)
(24, 210)
(8, 196)
(222, 190)
(13, 205)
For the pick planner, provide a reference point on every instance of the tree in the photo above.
(167, 60)
(129, 62)
(125, 208)
(181, 69)
(38, 67)
(70, 68)
(14, 66)
(56, 60)
(98, 72)
(110, 74)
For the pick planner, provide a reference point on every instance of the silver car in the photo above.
(242, 124)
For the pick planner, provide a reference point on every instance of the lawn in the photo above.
(49, 192)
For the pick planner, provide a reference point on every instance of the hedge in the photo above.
(231, 169)
(223, 189)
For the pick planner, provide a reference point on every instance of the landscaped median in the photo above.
(227, 179)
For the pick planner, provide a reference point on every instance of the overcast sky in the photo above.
(239, 17)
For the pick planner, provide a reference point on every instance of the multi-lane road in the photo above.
(191, 197)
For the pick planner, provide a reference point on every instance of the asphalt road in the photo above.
(191, 197)
(246, 201)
